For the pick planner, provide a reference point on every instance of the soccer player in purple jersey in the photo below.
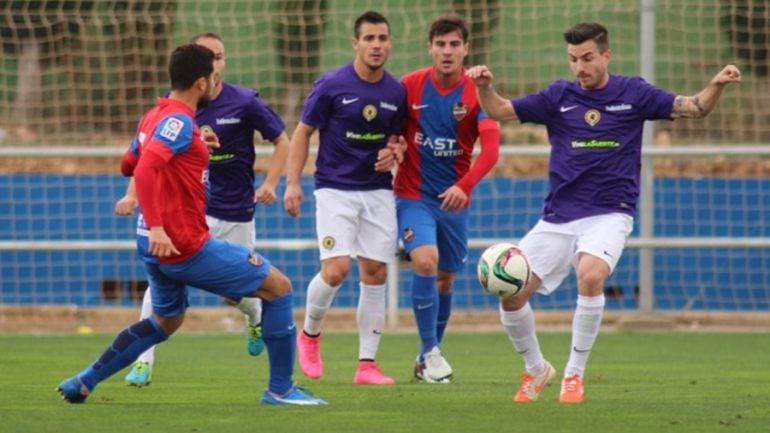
(594, 127)
(230, 119)
(434, 183)
(358, 110)
(169, 162)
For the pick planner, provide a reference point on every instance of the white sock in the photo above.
(319, 298)
(371, 319)
(585, 329)
(149, 355)
(252, 308)
(520, 326)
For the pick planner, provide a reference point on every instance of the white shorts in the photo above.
(356, 223)
(235, 232)
(553, 248)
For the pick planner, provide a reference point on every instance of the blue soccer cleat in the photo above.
(140, 375)
(295, 396)
(72, 390)
(254, 342)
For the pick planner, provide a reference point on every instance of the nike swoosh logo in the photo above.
(580, 351)
(565, 109)
(424, 306)
(348, 101)
(523, 351)
(419, 107)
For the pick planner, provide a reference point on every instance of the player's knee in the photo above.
(514, 303)
(169, 325)
(424, 265)
(334, 275)
(280, 285)
(444, 282)
(591, 282)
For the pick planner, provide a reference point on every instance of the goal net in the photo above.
(82, 72)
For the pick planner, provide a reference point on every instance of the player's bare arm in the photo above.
(701, 104)
(266, 192)
(126, 205)
(298, 152)
(494, 105)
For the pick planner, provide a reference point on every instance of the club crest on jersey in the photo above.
(255, 259)
(328, 242)
(459, 110)
(206, 130)
(171, 128)
(369, 112)
(592, 117)
(408, 234)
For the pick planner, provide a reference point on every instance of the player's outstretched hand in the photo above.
(160, 243)
(265, 194)
(481, 75)
(292, 198)
(453, 199)
(728, 74)
(126, 205)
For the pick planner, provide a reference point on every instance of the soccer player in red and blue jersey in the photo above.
(434, 183)
(230, 120)
(594, 127)
(171, 177)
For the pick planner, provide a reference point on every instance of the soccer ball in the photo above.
(503, 270)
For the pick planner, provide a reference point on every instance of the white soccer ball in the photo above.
(503, 270)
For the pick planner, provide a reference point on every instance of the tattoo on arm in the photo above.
(688, 106)
(696, 101)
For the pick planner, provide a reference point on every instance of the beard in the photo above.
(204, 101)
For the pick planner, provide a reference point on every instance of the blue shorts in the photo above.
(220, 267)
(421, 223)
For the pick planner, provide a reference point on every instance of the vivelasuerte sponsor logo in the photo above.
(388, 106)
(618, 107)
(228, 121)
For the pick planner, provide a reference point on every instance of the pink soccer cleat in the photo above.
(369, 373)
(309, 354)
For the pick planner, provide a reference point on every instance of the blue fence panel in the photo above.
(80, 207)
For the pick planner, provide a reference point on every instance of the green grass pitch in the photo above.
(636, 382)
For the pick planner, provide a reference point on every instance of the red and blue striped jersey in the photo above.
(441, 128)
(169, 162)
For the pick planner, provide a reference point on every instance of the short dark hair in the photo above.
(207, 35)
(188, 63)
(371, 17)
(582, 32)
(448, 23)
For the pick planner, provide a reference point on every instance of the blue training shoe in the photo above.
(295, 396)
(72, 390)
(140, 375)
(254, 342)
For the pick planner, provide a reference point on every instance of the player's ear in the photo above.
(607, 55)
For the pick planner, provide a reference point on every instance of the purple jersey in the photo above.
(354, 118)
(234, 116)
(596, 143)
